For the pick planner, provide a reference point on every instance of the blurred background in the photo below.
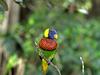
(22, 23)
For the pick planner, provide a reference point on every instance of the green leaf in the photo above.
(13, 61)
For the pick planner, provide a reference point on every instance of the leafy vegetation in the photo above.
(78, 36)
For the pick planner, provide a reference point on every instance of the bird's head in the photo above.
(50, 33)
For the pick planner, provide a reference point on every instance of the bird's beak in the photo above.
(55, 36)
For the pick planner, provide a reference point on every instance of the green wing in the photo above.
(47, 54)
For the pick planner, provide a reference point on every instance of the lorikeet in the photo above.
(47, 45)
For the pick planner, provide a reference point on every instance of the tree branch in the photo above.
(57, 69)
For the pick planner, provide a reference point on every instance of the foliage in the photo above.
(78, 36)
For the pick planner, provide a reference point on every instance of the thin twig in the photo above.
(59, 73)
(49, 4)
(82, 65)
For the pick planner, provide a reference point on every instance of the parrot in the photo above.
(47, 48)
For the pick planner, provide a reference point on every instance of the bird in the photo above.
(48, 46)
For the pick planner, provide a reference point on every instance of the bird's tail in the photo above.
(44, 66)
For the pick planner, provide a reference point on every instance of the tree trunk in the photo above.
(11, 18)
(21, 67)
(95, 10)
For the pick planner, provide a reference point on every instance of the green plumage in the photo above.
(49, 55)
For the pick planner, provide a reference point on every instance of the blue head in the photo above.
(51, 33)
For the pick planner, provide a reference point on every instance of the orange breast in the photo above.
(48, 44)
